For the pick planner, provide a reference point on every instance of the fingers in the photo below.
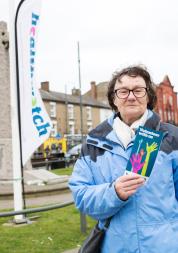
(130, 193)
(128, 177)
(132, 187)
(133, 182)
(127, 185)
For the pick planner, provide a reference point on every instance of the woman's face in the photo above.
(131, 108)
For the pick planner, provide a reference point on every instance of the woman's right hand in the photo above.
(127, 185)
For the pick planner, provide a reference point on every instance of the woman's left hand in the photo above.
(127, 185)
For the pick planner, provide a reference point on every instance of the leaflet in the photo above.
(144, 152)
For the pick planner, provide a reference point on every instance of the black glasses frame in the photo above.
(146, 89)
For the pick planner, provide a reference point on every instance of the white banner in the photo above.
(35, 122)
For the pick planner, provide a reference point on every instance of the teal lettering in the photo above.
(42, 129)
(32, 42)
(37, 118)
(34, 18)
(32, 60)
(32, 53)
(32, 70)
(36, 109)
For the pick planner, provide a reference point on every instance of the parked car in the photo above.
(75, 150)
(72, 154)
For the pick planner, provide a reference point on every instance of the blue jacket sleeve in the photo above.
(99, 201)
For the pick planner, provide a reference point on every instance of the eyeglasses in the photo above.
(124, 93)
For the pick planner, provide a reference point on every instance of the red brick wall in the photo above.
(167, 102)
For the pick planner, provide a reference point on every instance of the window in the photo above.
(164, 99)
(173, 116)
(70, 111)
(71, 127)
(104, 114)
(54, 128)
(161, 114)
(170, 100)
(89, 116)
(169, 115)
(165, 116)
(89, 126)
(52, 109)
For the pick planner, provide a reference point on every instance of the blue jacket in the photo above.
(148, 221)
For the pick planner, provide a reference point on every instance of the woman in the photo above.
(144, 215)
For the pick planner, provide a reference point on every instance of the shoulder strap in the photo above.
(107, 223)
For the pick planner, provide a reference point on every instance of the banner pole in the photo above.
(18, 105)
(16, 157)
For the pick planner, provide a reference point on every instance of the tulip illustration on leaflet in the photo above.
(144, 152)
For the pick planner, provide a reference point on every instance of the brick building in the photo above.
(167, 102)
(98, 91)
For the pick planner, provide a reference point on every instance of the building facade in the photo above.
(167, 102)
(98, 91)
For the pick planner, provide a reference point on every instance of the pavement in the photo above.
(35, 194)
(36, 182)
(6, 190)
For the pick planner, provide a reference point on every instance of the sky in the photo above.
(112, 34)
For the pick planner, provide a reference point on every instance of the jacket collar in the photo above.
(153, 122)
(104, 134)
(102, 130)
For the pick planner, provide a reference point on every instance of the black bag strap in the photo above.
(107, 223)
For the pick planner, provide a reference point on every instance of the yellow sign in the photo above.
(60, 144)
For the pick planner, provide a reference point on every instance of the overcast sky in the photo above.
(112, 35)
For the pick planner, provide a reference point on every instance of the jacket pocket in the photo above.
(159, 238)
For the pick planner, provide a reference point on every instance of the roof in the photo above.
(103, 84)
(62, 97)
(166, 81)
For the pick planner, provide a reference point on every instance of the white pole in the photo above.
(16, 162)
(80, 87)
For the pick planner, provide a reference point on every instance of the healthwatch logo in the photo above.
(37, 113)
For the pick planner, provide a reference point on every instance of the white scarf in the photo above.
(124, 132)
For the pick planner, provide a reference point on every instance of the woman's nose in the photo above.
(131, 96)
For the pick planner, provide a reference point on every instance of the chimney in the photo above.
(75, 92)
(45, 86)
(93, 90)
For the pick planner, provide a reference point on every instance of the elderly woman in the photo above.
(144, 215)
